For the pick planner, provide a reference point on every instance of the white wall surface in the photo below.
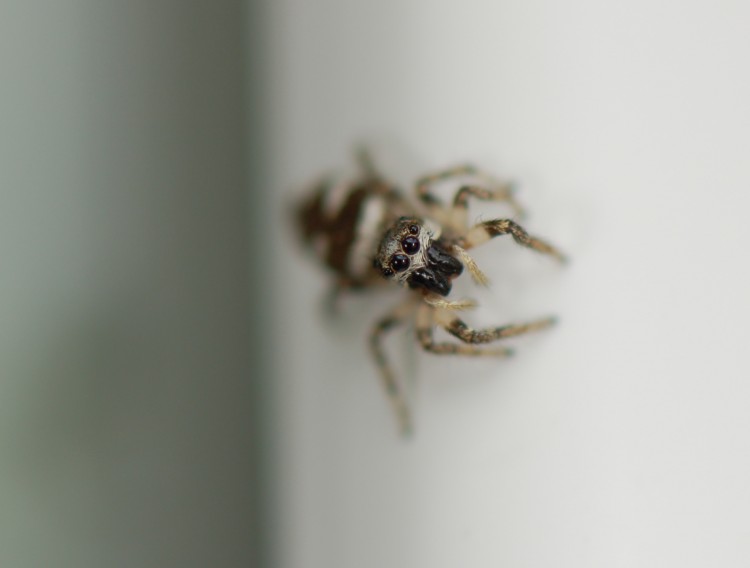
(621, 438)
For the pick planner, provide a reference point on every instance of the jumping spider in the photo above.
(422, 246)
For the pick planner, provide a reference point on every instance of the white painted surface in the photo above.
(621, 437)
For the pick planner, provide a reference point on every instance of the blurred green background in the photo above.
(131, 331)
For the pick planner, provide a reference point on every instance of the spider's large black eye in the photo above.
(399, 262)
(410, 245)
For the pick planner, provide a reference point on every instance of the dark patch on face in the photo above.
(431, 280)
(443, 262)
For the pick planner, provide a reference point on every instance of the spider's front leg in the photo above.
(483, 232)
(425, 183)
(457, 215)
(428, 317)
(392, 388)
(457, 328)
(499, 191)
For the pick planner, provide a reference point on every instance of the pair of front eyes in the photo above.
(409, 245)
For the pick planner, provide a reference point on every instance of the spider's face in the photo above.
(409, 255)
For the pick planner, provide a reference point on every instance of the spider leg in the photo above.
(425, 182)
(365, 162)
(491, 190)
(498, 191)
(483, 232)
(457, 328)
(439, 302)
(393, 390)
(434, 204)
(426, 320)
(344, 285)
(476, 274)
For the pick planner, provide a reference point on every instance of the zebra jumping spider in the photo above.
(368, 233)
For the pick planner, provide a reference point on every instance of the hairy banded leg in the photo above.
(376, 184)
(459, 329)
(456, 216)
(434, 204)
(476, 274)
(437, 301)
(424, 183)
(498, 191)
(483, 232)
(428, 316)
(393, 390)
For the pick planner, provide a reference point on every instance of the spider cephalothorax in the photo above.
(410, 254)
(422, 245)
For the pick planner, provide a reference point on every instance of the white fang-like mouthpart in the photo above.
(476, 274)
(439, 302)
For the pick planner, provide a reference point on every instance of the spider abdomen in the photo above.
(344, 223)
